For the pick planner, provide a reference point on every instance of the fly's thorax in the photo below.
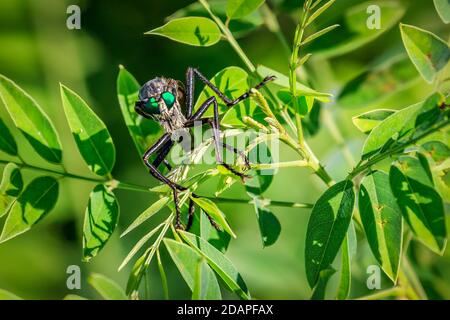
(171, 119)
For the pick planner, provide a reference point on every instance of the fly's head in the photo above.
(159, 98)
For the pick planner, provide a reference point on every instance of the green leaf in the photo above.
(348, 250)
(240, 8)
(379, 83)
(354, 31)
(319, 11)
(429, 53)
(261, 180)
(38, 199)
(138, 246)
(283, 81)
(233, 82)
(304, 103)
(319, 34)
(7, 142)
(163, 276)
(149, 212)
(438, 155)
(10, 187)
(219, 263)
(90, 133)
(144, 132)
(367, 121)
(404, 125)
(31, 120)
(327, 228)
(106, 287)
(225, 183)
(100, 220)
(269, 226)
(135, 274)
(210, 208)
(204, 277)
(187, 261)
(421, 205)
(238, 27)
(382, 221)
(195, 31)
(443, 9)
(393, 128)
(220, 240)
(320, 289)
(436, 150)
(6, 295)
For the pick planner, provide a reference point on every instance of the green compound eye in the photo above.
(152, 105)
(168, 98)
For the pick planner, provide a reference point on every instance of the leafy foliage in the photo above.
(196, 31)
(407, 199)
(429, 53)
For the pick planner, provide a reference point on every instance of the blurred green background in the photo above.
(38, 52)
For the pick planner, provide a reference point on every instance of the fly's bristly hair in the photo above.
(173, 118)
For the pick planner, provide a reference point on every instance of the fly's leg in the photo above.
(214, 123)
(158, 175)
(229, 102)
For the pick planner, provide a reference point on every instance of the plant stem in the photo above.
(395, 291)
(53, 171)
(298, 37)
(272, 203)
(286, 164)
(229, 36)
(314, 163)
(112, 182)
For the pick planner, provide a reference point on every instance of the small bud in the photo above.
(254, 124)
